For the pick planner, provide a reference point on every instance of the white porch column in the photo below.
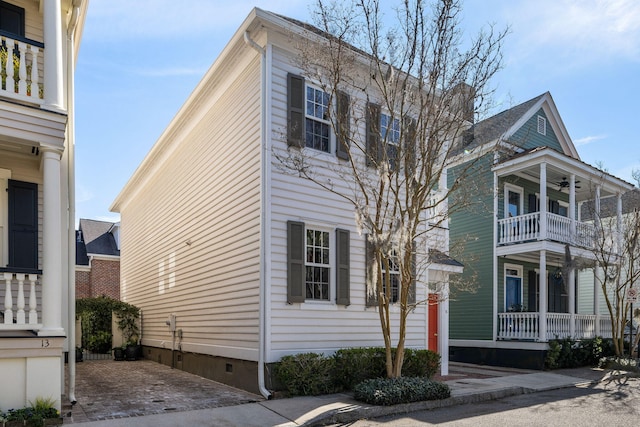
(619, 223)
(52, 244)
(572, 301)
(494, 323)
(543, 296)
(53, 70)
(543, 203)
(443, 333)
(572, 206)
(596, 297)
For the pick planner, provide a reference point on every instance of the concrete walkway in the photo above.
(469, 383)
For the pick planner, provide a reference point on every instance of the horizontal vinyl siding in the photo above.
(319, 326)
(528, 137)
(190, 237)
(471, 314)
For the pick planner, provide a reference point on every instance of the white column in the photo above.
(53, 67)
(494, 322)
(596, 297)
(571, 284)
(543, 295)
(52, 245)
(543, 202)
(443, 326)
(619, 224)
(572, 206)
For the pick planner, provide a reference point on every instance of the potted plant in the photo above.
(118, 353)
(128, 316)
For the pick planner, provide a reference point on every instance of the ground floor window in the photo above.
(317, 265)
(513, 288)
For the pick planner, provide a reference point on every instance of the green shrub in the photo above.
(570, 353)
(420, 363)
(306, 374)
(99, 342)
(393, 391)
(354, 365)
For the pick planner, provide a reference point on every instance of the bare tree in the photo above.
(617, 257)
(400, 101)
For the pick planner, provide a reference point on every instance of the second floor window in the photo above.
(317, 265)
(317, 125)
(390, 135)
(394, 277)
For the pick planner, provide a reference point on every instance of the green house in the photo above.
(524, 239)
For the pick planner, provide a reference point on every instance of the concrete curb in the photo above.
(358, 412)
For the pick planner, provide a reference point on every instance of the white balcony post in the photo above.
(572, 206)
(543, 296)
(596, 297)
(572, 301)
(543, 202)
(8, 300)
(33, 302)
(53, 67)
(52, 241)
(20, 317)
(495, 258)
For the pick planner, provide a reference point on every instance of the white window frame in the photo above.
(395, 271)
(331, 289)
(519, 274)
(514, 189)
(323, 120)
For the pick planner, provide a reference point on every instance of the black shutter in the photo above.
(295, 262)
(373, 134)
(295, 110)
(343, 126)
(533, 203)
(532, 290)
(23, 225)
(342, 265)
(371, 295)
(410, 145)
(554, 206)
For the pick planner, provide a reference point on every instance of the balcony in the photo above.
(526, 326)
(526, 228)
(21, 66)
(19, 294)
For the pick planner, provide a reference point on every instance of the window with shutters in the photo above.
(317, 265)
(317, 125)
(393, 272)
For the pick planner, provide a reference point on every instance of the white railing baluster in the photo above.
(22, 69)
(35, 73)
(33, 302)
(8, 299)
(20, 317)
(10, 80)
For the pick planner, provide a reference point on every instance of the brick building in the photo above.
(97, 259)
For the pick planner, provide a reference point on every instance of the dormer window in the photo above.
(11, 19)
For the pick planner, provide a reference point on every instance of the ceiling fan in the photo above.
(565, 184)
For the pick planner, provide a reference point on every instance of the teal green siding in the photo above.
(471, 313)
(527, 136)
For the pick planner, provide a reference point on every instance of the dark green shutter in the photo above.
(23, 224)
(533, 203)
(373, 134)
(343, 126)
(295, 262)
(533, 291)
(295, 110)
(342, 265)
(370, 296)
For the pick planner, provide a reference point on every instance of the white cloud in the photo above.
(577, 32)
(588, 140)
(83, 194)
(117, 20)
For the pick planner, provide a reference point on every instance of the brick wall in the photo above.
(102, 279)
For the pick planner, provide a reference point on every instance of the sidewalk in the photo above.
(469, 384)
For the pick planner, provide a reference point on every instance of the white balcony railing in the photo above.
(525, 326)
(19, 301)
(21, 68)
(523, 228)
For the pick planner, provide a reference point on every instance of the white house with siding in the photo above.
(213, 232)
(37, 247)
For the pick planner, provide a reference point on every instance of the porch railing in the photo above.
(526, 227)
(19, 301)
(526, 326)
(21, 68)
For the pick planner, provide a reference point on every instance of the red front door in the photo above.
(433, 323)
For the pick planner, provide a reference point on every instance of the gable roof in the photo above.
(95, 238)
(505, 124)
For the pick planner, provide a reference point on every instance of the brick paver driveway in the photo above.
(106, 389)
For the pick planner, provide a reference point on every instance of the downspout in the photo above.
(263, 215)
(71, 258)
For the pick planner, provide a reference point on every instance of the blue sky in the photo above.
(139, 61)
